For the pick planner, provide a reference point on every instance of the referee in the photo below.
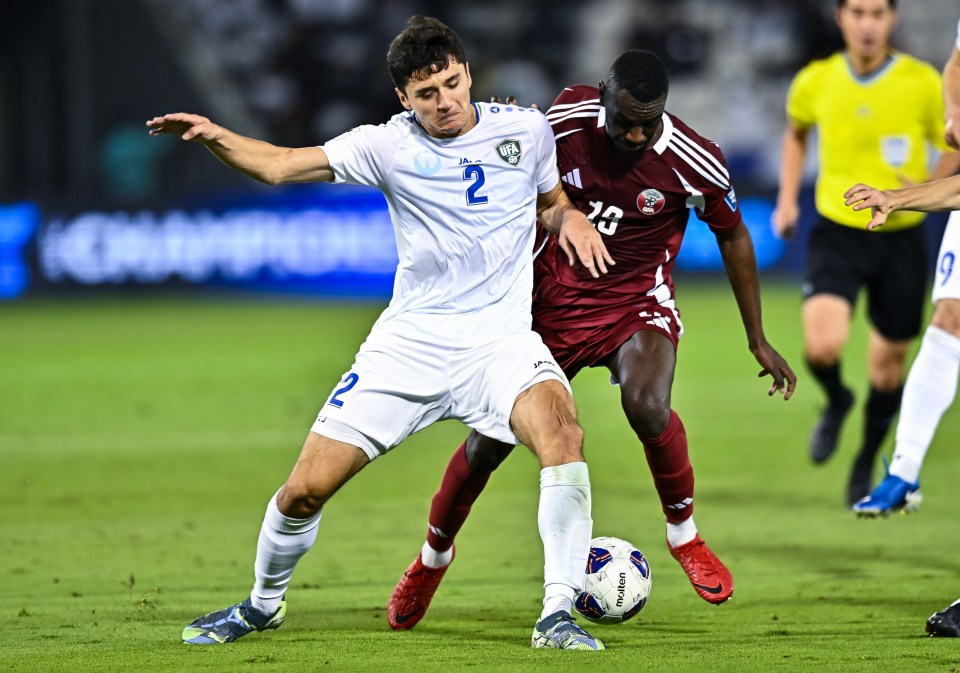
(876, 112)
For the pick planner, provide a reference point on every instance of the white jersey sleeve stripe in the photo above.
(546, 239)
(706, 155)
(567, 106)
(553, 113)
(695, 200)
(698, 166)
(567, 133)
(574, 115)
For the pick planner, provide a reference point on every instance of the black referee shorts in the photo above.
(891, 265)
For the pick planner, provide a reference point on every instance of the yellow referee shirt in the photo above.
(871, 129)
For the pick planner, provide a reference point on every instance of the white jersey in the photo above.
(946, 283)
(463, 211)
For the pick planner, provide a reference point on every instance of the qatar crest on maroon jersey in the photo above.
(650, 202)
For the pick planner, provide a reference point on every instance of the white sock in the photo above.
(558, 599)
(929, 391)
(282, 542)
(432, 558)
(681, 533)
(565, 528)
(904, 466)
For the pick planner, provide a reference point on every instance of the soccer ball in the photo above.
(617, 582)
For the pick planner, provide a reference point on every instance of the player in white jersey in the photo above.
(464, 183)
(932, 382)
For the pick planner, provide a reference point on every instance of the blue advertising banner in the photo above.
(332, 242)
(322, 240)
(18, 225)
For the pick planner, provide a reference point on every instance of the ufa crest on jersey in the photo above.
(510, 151)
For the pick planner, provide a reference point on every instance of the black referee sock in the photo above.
(880, 411)
(829, 379)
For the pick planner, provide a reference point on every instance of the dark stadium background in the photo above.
(88, 200)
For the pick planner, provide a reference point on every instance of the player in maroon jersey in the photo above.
(636, 170)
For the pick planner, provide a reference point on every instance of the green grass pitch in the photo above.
(140, 439)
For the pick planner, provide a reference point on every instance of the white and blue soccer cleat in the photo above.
(561, 632)
(893, 494)
(229, 624)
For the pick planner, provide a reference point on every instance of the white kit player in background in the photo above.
(932, 382)
(465, 183)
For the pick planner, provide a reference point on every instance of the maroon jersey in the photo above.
(640, 203)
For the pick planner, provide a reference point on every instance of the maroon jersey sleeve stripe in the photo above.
(699, 166)
(557, 107)
(704, 154)
(587, 111)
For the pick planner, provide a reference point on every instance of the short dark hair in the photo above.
(640, 73)
(424, 46)
(892, 3)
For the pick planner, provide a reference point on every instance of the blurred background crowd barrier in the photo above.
(88, 199)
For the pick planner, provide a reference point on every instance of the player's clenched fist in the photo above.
(187, 126)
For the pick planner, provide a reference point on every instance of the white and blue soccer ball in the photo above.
(617, 583)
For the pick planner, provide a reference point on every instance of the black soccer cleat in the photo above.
(946, 623)
(826, 434)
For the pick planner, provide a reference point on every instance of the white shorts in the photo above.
(398, 386)
(946, 281)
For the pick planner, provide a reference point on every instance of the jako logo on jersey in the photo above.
(536, 365)
(731, 199)
(427, 163)
(650, 202)
(509, 151)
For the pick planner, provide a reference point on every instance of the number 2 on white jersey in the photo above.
(474, 173)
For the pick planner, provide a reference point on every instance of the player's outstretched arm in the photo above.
(740, 263)
(577, 237)
(936, 196)
(260, 160)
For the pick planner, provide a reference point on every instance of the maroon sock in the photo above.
(669, 463)
(459, 489)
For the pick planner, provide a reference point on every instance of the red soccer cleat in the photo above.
(709, 577)
(413, 593)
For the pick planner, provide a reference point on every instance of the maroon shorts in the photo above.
(584, 333)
